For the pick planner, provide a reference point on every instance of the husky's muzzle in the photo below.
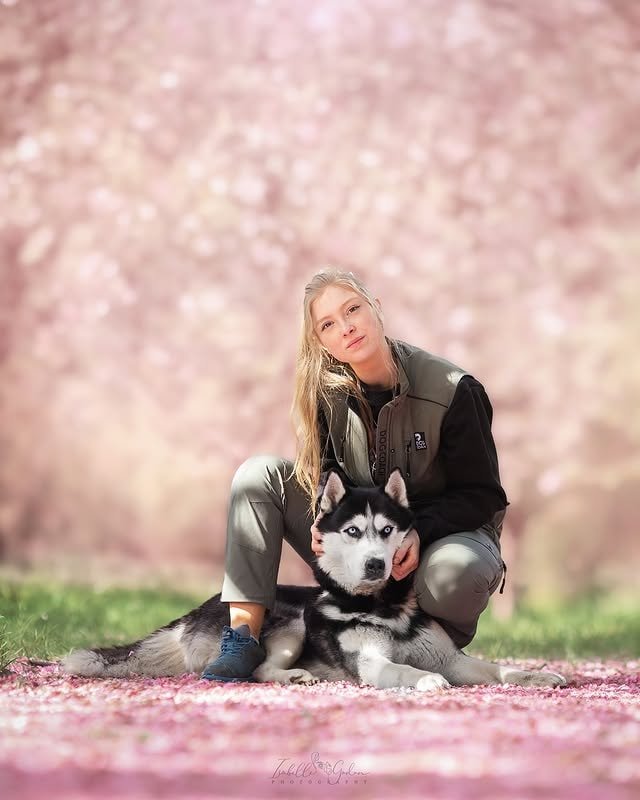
(374, 569)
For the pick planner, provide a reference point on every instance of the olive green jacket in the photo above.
(408, 428)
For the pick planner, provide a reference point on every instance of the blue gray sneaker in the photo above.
(239, 655)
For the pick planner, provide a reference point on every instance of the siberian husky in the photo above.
(359, 625)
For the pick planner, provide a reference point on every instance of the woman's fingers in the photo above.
(316, 540)
(407, 557)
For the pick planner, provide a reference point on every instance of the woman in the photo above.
(365, 404)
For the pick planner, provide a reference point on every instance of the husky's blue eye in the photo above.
(352, 530)
(387, 529)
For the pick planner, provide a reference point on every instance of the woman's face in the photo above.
(346, 325)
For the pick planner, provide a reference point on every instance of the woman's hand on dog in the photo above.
(316, 538)
(407, 556)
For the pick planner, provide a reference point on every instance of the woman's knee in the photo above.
(455, 576)
(444, 577)
(259, 474)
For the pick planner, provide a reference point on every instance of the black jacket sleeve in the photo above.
(467, 453)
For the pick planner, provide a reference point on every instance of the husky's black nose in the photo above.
(374, 568)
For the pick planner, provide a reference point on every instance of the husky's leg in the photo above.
(385, 674)
(464, 670)
(438, 651)
(368, 658)
(283, 647)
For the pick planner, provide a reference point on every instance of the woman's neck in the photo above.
(379, 372)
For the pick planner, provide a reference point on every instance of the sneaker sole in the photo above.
(228, 680)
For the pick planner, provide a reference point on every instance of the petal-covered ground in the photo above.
(184, 738)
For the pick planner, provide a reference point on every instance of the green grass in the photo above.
(592, 627)
(45, 621)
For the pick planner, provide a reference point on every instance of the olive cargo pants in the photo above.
(453, 582)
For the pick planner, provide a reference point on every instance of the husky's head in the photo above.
(361, 530)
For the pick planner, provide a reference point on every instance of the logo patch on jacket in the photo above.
(420, 440)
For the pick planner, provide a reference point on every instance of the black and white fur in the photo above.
(359, 625)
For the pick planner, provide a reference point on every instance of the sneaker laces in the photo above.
(232, 643)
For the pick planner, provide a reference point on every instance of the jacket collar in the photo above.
(337, 410)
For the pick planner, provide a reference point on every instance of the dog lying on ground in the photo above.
(359, 625)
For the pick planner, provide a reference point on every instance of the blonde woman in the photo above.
(365, 404)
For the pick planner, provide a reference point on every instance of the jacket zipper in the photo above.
(341, 457)
(388, 408)
(408, 469)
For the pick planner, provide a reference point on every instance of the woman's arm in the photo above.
(467, 453)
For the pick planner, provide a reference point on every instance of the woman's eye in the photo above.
(353, 308)
(387, 529)
(324, 325)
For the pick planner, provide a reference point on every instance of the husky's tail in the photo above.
(160, 654)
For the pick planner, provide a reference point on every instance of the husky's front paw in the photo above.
(432, 682)
(535, 679)
(302, 677)
(267, 673)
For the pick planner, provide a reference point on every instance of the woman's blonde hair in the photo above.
(318, 377)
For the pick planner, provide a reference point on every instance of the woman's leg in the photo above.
(251, 614)
(265, 506)
(454, 580)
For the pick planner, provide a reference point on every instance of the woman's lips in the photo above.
(355, 342)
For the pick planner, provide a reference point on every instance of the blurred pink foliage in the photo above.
(172, 173)
(177, 737)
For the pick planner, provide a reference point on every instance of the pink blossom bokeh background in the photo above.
(172, 173)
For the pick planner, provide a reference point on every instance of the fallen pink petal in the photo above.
(71, 738)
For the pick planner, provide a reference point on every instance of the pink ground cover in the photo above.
(63, 737)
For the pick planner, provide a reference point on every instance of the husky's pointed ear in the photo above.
(396, 488)
(332, 493)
